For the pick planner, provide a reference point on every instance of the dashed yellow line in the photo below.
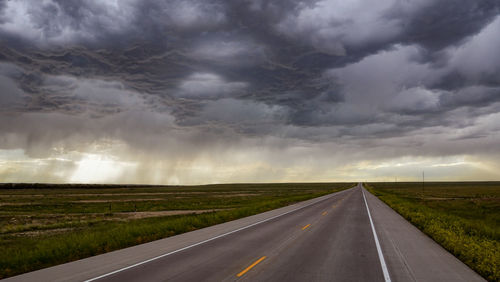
(251, 266)
(324, 213)
(303, 228)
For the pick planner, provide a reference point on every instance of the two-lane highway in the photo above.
(330, 239)
(345, 236)
(333, 248)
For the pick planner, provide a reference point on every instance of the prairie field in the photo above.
(43, 225)
(464, 217)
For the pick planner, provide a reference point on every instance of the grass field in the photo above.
(45, 225)
(463, 217)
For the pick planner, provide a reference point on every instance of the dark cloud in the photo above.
(300, 71)
(444, 23)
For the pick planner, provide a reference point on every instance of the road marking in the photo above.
(304, 228)
(251, 266)
(379, 250)
(324, 213)
(213, 238)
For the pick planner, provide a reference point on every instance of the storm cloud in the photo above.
(223, 91)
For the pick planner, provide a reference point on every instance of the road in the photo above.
(345, 236)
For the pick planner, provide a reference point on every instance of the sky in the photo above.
(201, 91)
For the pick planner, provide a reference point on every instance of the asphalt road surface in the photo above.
(345, 236)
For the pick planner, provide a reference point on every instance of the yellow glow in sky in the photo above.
(95, 168)
(250, 166)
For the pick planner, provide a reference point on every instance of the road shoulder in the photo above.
(410, 254)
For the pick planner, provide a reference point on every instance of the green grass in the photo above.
(55, 224)
(463, 217)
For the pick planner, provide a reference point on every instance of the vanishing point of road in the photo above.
(345, 236)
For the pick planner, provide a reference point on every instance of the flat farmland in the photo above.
(464, 217)
(43, 225)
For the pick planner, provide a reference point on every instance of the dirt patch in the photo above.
(127, 194)
(442, 198)
(236, 195)
(463, 198)
(118, 216)
(36, 233)
(137, 215)
(118, 200)
(20, 204)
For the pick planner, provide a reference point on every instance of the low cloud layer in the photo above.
(224, 91)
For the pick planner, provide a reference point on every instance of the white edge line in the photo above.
(379, 250)
(211, 239)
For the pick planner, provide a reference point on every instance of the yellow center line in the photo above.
(251, 266)
(303, 228)
(324, 213)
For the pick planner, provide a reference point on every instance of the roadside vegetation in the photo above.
(45, 225)
(464, 217)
